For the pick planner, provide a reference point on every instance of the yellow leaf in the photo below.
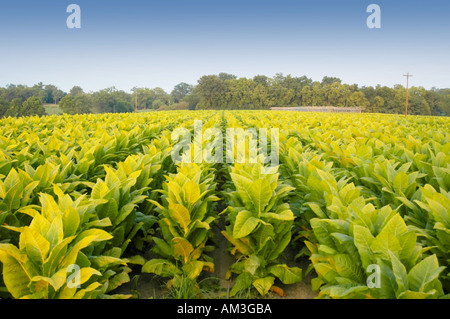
(191, 192)
(181, 215)
(182, 248)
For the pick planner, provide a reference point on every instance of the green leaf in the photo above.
(71, 221)
(252, 264)
(285, 215)
(161, 267)
(245, 223)
(36, 246)
(242, 283)
(395, 226)
(363, 241)
(401, 182)
(103, 261)
(263, 285)
(408, 294)
(400, 274)
(244, 247)
(15, 276)
(162, 247)
(242, 185)
(384, 243)
(193, 269)
(260, 193)
(55, 233)
(424, 273)
(287, 275)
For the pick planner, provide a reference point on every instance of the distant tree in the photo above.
(4, 106)
(333, 93)
(76, 90)
(439, 101)
(192, 99)
(226, 76)
(180, 91)
(307, 96)
(145, 97)
(53, 94)
(358, 99)
(327, 80)
(67, 104)
(31, 107)
(212, 91)
(158, 104)
(399, 102)
(14, 108)
(162, 95)
(181, 106)
(262, 79)
(388, 96)
(74, 105)
(378, 104)
(111, 100)
(418, 104)
(318, 95)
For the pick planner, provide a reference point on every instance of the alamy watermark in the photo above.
(374, 19)
(74, 19)
(374, 279)
(74, 276)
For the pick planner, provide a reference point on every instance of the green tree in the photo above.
(328, 80)
(4, 106)
(358, 99)
(76, 91)
(180, 91)
(226, 76)
(31, 107)
(388, 95)
(162, 95)
(399, 102)
(377, 105)
(262, 80)
(14, 108)
(145, 98)
(111, 100)
(158, 104)
(439, 101)
(53, 94)
(418, 104)
(318, 95)
(333, 93)
(192, 99)
(307, 96)
(75, 105)
(67, 104)
(212, 91)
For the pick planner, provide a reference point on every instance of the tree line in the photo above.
(227, 91)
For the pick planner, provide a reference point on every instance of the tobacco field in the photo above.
(88, 203)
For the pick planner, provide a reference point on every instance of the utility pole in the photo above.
(135, 102)
(407, 92)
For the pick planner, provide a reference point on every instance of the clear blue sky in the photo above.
(165, 42)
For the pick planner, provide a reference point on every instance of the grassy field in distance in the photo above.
(52, 109)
